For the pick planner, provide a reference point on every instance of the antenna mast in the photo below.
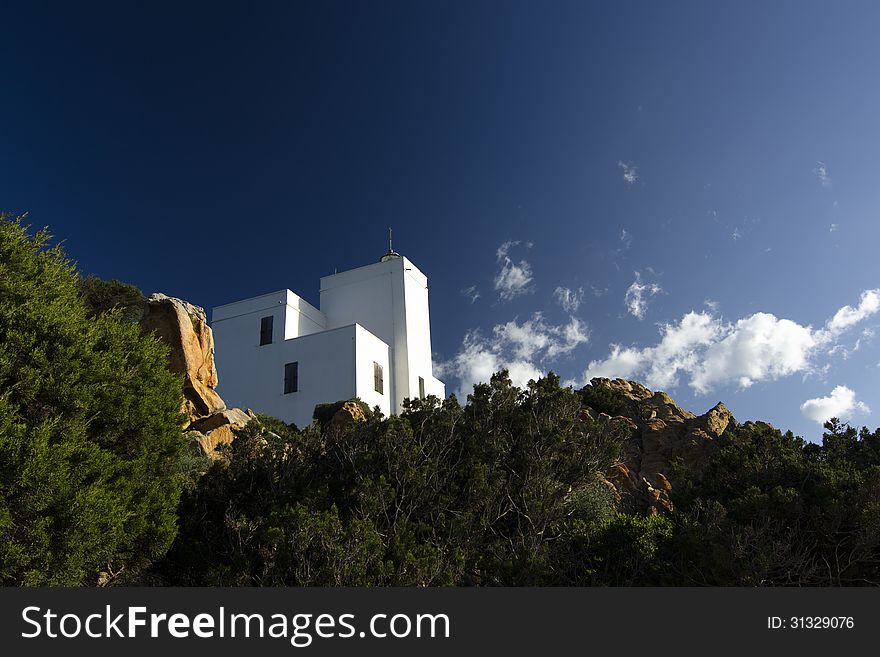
(391, 252)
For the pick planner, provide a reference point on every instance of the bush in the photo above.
(100, 296)
(90, 436)
(771, 509)
(604, 399)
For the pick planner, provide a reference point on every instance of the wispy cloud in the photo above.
(637, 296)
(841, 403)
(570, 300)
(712, 352)
(471, 293)
(833, 228)
(524, 349)
(630, 172)
(821, 171)
(626, 238)
(513, 278)
(736, 234)
(869, 304)
(844, 351)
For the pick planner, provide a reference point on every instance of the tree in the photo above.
(101, 296)
(90, 434)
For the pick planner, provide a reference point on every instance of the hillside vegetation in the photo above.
(613, 484)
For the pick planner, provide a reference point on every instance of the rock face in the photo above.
(658, 433)
(184, 328)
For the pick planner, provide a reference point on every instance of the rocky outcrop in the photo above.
(658, 433)
(350, 412)
(184, 328)
(216, 429)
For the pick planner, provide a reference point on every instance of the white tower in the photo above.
(390, 300)
(370, 339)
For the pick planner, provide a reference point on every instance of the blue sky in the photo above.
(686, 194)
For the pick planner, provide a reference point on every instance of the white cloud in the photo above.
(736, 234)
(711, 352)
(471, 293)
(659, 366)
(821, 172)
(755, 348)
(637, 295)
(570, 300)
(840, 404)
(869, 304)
(598, 291)
(513, 279)
(712, 305)
(626, 238)
(833, 228)
(630, 172)
(524, 349)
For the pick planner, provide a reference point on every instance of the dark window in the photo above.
(421, 388)
(291, 378)
(266, 330)
(378, 379)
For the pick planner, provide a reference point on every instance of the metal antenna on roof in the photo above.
(392, 254)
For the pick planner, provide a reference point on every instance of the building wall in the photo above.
(301, 317)
(293, 317)
(418, 325)
(368, 350)
(238, 324)
(253, 376)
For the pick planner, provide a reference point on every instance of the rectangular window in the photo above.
(266, 330)
(378, 379)
(421, 388)
(291, 378)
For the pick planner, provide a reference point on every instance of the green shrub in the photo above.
(90, 437)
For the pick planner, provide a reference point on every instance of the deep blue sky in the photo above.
(725, 152)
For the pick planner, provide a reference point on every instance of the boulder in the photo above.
(233, 416)
(184, 328)
(219, 428)
(350, 412)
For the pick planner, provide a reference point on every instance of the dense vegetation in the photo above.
(774, 510)
(504, 491)
(507, 489)
(89, 428)
(440, 495)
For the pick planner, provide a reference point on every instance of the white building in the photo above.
(371, 339)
